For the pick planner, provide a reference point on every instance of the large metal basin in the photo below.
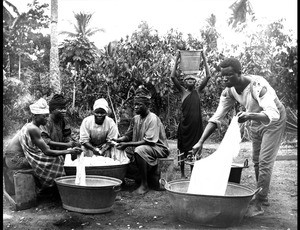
(116, 171)
(235, 172)
(97, 196)
(213, 211)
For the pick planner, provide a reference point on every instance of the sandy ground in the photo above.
(154, 210)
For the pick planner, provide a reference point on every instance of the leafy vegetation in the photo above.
(145, 57)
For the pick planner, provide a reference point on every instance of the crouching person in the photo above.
(145, 137)
(47, 164)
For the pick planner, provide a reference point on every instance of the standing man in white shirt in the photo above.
(267, 118)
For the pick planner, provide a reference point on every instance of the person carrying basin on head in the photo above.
(190, 127)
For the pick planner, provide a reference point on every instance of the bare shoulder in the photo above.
(33, 129)
(184, 94)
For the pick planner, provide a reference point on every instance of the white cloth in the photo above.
(39, 107)
(210, 175)
(80, 170)
(101, 103)
(119, 155)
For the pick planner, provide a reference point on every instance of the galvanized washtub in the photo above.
(97, 196)
(235, 172)
(213, 211)
(116, 171)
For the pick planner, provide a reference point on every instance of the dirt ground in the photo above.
(153, 210)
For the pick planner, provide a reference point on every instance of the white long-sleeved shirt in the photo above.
(97, 134)
(251, 101)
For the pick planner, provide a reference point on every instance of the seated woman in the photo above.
(57, 132)
(47, 164)
(97, 130)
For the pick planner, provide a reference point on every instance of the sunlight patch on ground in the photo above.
(6, 216)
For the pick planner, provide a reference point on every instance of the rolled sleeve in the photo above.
(84, 135)
(113, 131)
(225, 104)
(267, 101)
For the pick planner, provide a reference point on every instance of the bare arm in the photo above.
(35, 134)
(245, 116)
(209, 129)
(123, 145)
(173, 74)
(207, 73)
(64, 145)
(120, 139)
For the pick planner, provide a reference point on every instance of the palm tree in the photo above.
(54, 58)
(81, 26)
(81, 30)
(240, 9)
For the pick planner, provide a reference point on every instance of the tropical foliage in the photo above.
(145, 57)
(81, 27)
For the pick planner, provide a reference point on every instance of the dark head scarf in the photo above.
(142, 94)
(57, 102)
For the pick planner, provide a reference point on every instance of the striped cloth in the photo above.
(46, 168)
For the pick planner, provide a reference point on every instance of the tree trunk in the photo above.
(54, 58)
(19, 66)
(74, 95)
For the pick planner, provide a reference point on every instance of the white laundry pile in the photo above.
(93, 161)
(117, 157)
(210, 175)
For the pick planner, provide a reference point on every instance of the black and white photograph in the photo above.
(150, 114)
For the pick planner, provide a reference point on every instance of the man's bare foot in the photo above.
(141, 190)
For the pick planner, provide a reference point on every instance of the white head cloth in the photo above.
(101, 103)
(39, 107)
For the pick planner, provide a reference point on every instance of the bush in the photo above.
(16, 102)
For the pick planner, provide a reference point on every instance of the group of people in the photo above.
(262, 109)
(43, 143)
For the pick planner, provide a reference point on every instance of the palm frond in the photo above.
(91, 32)
(15, 9)
(70, 34)
(81, 25)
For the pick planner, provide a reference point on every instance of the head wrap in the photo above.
(39, 107)
(57, 102)
(101, 103)
(190, 76)
(142, 94)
